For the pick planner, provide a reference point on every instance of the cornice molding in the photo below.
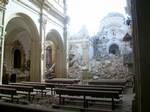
(53, 11)
(49, 8)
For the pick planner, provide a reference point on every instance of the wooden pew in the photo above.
(95, 88)
(105, 86)
(102, 86)
(108, 82)
(49, 85)
(35, 86)
(55, 85)
(8, 92)
(41, 86)
(85, 93)
(62, 81)
(20, 88)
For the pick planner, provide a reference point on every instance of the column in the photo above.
(2, 18)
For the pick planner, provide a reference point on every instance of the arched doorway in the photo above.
(18, 55)
(17, 58)
(22, 45)
(54, 40)
(114, 49)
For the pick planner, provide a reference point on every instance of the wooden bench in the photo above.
(62, 81)
(83, 87)
(49, 86)
(35, 86)
(91, 85)
(8, 93)
(85, 93)
(92, 99)
(108, 82)
(55, 85)
(95, 88)
(21, 89)
(101, 86)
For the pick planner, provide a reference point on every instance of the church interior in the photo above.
(44, 69)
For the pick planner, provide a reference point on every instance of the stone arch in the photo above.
(114, 49)
(20, 27)
(55, 37)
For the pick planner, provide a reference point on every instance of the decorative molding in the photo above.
(27, 6)
(49, 8)
(53, 11)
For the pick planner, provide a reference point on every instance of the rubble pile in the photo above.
(109, 68)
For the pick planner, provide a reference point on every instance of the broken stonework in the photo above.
(108, 67)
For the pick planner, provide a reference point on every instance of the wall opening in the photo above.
(17, 59)
(114, 49)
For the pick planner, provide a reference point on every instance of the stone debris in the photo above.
(108, 67)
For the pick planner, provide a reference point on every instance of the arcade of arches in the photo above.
(22, 51)
(21, 26)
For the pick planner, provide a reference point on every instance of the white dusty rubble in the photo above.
(109, 67)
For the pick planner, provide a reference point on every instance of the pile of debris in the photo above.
(109, 68)
(75, 65)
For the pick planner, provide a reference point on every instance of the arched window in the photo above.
(48, 57)
(17, 59)
(114, 49)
